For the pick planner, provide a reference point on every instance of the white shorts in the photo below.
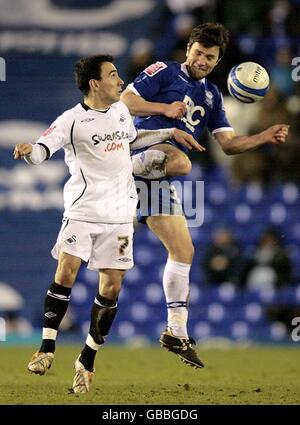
(103, 246)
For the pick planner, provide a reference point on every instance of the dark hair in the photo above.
(210, 34)
(89, 68)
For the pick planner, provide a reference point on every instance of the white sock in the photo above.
(49, 333)
(176, 289)
(150, 164)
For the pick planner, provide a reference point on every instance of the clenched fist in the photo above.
(175, 110)
(276, 134)
(22, 149)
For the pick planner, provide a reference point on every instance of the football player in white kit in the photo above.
(99, 205)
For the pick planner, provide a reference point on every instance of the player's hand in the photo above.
(276, 134)
(175, 110)
(187, 140)
(22, 149)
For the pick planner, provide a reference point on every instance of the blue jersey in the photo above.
(167, 82)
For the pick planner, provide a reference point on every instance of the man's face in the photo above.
(109, 88)
(200, 60)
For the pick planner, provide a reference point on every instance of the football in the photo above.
(248, 82)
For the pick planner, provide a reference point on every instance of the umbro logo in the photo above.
(50, 314)
(125, 259)
(87, 120)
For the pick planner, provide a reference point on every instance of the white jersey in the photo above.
(96, 144)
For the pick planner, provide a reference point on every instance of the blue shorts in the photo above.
(156, 197)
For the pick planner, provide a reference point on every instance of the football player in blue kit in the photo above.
(167, 95)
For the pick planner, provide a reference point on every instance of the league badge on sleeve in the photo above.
(154, 68)
(48, 131)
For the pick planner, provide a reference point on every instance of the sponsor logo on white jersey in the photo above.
(110, 137)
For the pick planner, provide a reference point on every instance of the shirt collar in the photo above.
(185, 71)
(86, 107)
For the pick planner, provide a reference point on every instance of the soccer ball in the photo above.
(248, 82)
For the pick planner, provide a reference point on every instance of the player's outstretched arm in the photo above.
(146, 138)
(187, 140)
(138, 106)
(232, 144)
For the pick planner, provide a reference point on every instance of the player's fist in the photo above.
(276, 134)
(175, 110)
(281, 133)
(22, 149)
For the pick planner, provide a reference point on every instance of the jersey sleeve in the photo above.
(150, 81)
(132, 132)
(56, 136)
(218, 120)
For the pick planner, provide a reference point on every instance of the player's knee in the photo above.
(187, 166)
(65, 278)
(182, 254)
(111, 290)
(192, 251)
(183, 165)
(67, 269)
(66, 274)
(190, 254)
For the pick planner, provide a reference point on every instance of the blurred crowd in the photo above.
(268, 266)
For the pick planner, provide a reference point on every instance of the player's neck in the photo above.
(95, 103)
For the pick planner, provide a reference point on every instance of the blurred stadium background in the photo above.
(40, 41)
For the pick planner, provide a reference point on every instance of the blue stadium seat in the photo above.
(277, 213)
(277, 332)
(202, 330)
(240, 330)
(290, 194)
(254, 313)
(216, 194)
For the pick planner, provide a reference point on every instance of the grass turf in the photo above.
(149, 376)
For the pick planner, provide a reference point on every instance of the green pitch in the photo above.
(154, 376)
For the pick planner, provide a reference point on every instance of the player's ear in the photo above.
(188, 47)
(93, 84)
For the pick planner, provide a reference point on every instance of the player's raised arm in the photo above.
(232, 144)
(137, 105)
(54, 138)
